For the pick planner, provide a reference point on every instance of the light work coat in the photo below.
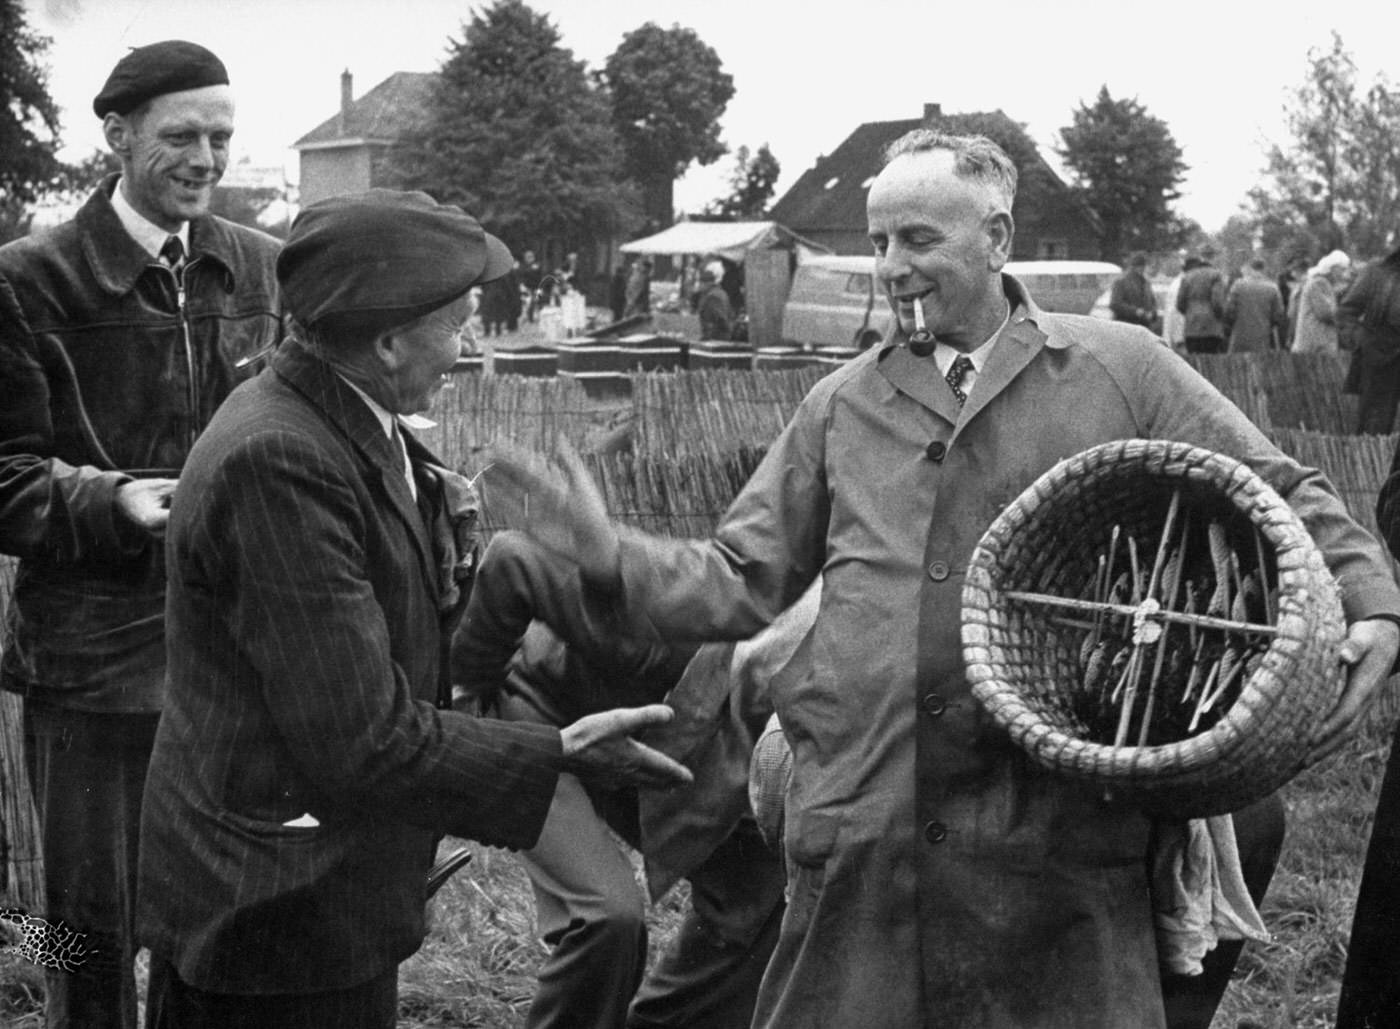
(939, 879)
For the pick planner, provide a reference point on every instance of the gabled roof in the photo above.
(831, 194)
(381, 115)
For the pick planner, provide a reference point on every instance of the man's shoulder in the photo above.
(1101, 338)
(29, 254)
(850, 375)
(262, 413)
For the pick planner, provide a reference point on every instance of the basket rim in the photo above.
(1297, 561)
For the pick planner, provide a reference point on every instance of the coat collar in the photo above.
(1017, 345)
(347, 412)
(117, 260)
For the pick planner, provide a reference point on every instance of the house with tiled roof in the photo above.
(827, 204)
(346, 152)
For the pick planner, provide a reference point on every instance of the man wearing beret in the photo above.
(121, 331)
(307, 758)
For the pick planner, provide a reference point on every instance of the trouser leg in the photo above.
(87, 772)
(1191, 1000)
(590, 914)
(1380, 396)
(709, 975)
(1370, 995)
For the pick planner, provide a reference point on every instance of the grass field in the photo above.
(477, 967)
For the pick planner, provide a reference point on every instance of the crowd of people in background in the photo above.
(1334, 306)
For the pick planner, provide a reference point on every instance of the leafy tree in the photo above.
(669, 90)
(1127, 166)
(516, 133)
(29, 123)
(1336, 182)
(751, 186)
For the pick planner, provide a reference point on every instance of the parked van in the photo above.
(835, 300)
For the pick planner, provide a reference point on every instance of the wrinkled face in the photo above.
(173, 152)
(940, 241)
(419, 355)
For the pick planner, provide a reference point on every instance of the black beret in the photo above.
(384, 254)
(151, 71)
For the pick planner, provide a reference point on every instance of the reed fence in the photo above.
(717, 412)
(672, 458)
(1283, 390)
(21, 867)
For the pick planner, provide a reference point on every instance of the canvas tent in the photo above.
(729, 240)
(762, 248)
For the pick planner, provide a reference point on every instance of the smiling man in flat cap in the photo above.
(307, 759)
(120, 333)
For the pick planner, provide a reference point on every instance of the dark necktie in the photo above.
(173, 254)
(962, 364)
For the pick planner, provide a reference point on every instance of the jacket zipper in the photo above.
(193, 386)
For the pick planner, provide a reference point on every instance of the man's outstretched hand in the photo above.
(556, 503)
(599, 749)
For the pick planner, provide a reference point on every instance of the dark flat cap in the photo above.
(384, 254)
(151, 71)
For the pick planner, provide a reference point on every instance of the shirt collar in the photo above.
(146, 232)
(944, 355)
(382, 413)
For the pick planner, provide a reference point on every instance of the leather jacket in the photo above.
(108, 372)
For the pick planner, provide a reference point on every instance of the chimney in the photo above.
(347, 98)
(932, 112)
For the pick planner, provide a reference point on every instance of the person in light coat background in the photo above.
(1315, 318)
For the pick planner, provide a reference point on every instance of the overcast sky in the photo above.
(806, 74)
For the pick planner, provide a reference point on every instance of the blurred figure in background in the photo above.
(639, 288)
(1201, 301)
(1254, 311)
(1315, 322)
(1372, 308)
(712, 305)
(1173, 323)
(500, 304)
(1131, 299)
(617, 291)
(530, 275)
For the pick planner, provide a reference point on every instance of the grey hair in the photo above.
(974, 157)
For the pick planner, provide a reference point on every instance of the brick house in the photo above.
(345, 153)
(827, 204)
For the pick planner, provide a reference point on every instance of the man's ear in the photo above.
(388, 351)
(1000, 230)
(118, 132)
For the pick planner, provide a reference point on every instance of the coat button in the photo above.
(934, 704)
(938, 571)
(936, 451)
(935, 832)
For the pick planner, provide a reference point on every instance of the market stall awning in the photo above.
(730, 240)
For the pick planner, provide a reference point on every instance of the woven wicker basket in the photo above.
(1035, 604)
